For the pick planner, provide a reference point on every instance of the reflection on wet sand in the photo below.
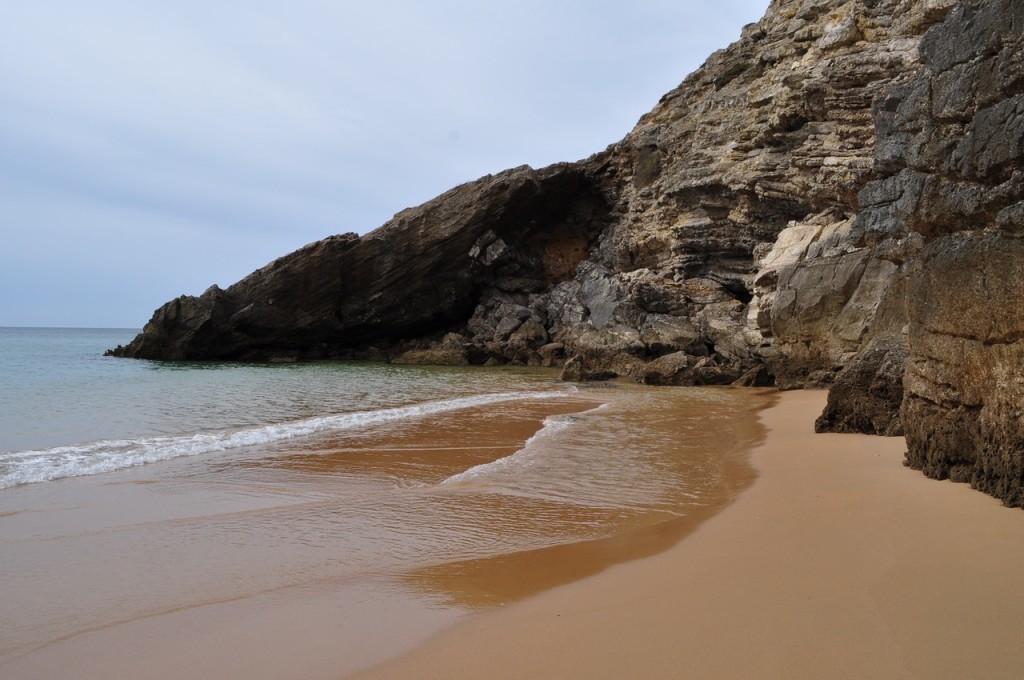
(426, 451)
(433, 516)
(504, 578)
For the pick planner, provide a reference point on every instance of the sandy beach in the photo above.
(331, 555)
(837, 563)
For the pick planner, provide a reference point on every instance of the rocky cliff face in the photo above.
(422, 273)
(960, 126)
(950, 156)
(642, 260)
(827, 201)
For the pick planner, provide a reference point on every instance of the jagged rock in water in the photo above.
(420, 274)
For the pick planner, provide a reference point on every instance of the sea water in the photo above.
(67, 410)
(133, 490)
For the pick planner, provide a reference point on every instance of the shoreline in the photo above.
(837, 563)
(246, 599)
(482, 584)
(271, 629)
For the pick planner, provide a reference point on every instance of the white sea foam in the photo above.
(524, 456)
(27, 467)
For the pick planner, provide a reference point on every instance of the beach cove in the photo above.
(720, 539)
(435, 448)
(311, 520)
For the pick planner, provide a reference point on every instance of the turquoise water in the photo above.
(67, 410)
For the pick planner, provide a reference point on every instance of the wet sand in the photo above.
(119, 576)
(837, 563)
(229, 566)
(507, 578)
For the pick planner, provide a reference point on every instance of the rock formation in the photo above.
(422, 273)
(639, 260)
(960, 186)
(832, 200)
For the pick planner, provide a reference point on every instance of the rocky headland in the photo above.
(835, 200)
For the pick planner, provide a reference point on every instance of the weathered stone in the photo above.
(671, 369)
(662, 224)
(573, 370)
(607, 344)
(663, 334)
(966, 363)
(867, 393)
(960, 191)
(576, 370)
(708, 372)
(424, 271)
(840, 33)
(433, 357)
(552, 354)
(759, 376)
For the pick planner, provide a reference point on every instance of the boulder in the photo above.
(867, 393)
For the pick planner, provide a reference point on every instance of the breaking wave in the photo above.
(27, 467)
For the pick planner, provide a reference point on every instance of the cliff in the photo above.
(960, 128)
(831, 200)
(424, 271)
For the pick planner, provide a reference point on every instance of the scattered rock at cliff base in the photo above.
(867, 393)
(759, 376)
(432, 357)
(575, 370)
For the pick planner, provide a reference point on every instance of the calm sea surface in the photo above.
(253, 479)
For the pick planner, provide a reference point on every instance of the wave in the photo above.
(42, 465)
(525, 456)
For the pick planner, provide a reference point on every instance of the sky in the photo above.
(151, 149)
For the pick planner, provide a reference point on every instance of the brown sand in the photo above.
(506, 578)
(837, 563)
(296, 625)
(115, 597)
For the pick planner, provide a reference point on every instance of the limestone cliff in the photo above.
(832, 200)
(638, 261)
(960, 126)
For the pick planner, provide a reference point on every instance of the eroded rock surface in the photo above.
(642, 260)
(867, 392)
(960, 126)
(422, 273)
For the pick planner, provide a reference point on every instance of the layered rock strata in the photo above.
(642, 260)
(960, 129)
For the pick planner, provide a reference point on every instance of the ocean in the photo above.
(136, 494)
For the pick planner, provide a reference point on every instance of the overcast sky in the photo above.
(150, 149)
